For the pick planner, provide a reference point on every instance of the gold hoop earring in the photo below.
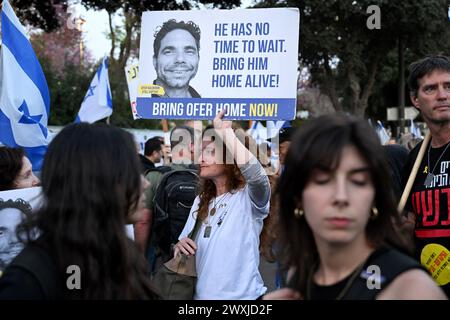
(298, 213)
(374, 214)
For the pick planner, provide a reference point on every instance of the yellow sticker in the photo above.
(132, 73)
(149, 89)
(436, 259)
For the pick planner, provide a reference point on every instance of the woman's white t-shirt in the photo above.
(227, 261)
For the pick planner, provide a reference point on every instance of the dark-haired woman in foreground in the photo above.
(339, 224)
(92, 187)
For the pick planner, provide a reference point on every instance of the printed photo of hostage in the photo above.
(244, 54)
(176, 56)
(11, 214)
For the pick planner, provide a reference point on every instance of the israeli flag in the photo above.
(382, 133)
(24, 97)
(258, 132)
(274, 127)
(97, 103)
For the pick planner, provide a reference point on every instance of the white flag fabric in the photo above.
(24, 98)
(97, 103)
(382, 133)
(274, 127)
(415, 131)
(258, 132)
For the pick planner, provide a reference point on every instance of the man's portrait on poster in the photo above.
(176, 57)
(12, 212)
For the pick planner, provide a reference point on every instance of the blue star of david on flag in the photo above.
(97, 103)
(24, 97)
(29, 119)
(90, 92)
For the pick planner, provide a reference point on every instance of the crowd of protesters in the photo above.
(326, 216)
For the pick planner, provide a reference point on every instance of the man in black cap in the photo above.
(284, 141)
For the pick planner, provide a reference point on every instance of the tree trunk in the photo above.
(360, 99)
(125, 45)
(355, 89)
(367, 90)
(113, 37)
(330, 86)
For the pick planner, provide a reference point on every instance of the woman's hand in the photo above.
(186, 246)
(282, 294)
(219, 123)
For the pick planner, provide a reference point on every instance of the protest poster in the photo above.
(15, 205)
(192, 64)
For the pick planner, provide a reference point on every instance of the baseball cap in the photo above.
(285, 134)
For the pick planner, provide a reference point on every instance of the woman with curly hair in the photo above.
(233, 201)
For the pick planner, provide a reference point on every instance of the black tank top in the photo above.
(390, 263)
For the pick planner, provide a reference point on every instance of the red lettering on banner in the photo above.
(447, 222)
(428, 203)
(415, 202)
(434, 233)
(427, 209)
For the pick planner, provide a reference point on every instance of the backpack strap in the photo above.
(194, 231)
(37, 262)
(161, 169)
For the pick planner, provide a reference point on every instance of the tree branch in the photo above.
(113, 36)
(330, 85)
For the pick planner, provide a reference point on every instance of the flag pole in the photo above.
(413, 174)
(166, 150)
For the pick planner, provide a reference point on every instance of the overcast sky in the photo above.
(94, 30)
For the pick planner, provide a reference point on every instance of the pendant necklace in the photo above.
(213, 209)
(212, 212)
(207, 233)
(430, 176)
(344, 291)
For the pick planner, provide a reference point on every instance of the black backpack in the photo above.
(173, 200)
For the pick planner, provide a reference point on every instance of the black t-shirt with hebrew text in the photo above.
(430, 201)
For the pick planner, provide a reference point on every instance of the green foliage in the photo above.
(67, 80)
(351, 63)
(356, 67)
(67, 90)
(38, 13)
(126, 40)
(122, 115)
